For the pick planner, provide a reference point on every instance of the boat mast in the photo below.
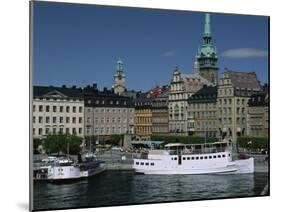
(68, 149)
(206, 122)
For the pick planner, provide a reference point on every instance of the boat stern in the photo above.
(245, 166)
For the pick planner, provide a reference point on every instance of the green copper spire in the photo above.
(207, 54)
(119, 68)
(207, 30)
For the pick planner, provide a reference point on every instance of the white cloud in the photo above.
(169, 53)
(244, 53)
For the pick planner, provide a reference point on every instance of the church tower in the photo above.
(119, 79)
(207, 55)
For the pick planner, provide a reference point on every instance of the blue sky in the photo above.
(78, 44)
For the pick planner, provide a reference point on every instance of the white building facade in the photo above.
(57, 112)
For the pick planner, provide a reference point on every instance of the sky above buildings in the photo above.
(77, 44)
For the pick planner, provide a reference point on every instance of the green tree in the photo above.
(253, 143)
(58, 143)
(116, 139)
(36, 143)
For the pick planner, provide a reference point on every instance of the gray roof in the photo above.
(244, 80)
(194, 82)
(72, 92)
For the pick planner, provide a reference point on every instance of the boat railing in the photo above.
(196, 151)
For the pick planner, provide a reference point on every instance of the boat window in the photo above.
(219, 156)
(152, 164)
(147, 164)
(175, 158)
(137, 163)
(197, 158)
(214, 156)
(172, 158)
(210, 157)
(228, 155)
(201, 158)
(192, 158)
(223, 156)
(188, 158)
(205, 157)
(142, 164)
(183, 158)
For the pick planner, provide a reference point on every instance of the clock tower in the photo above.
(119, 79)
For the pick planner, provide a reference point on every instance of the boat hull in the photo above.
(230, 169)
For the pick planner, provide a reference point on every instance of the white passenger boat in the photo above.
(179, 158)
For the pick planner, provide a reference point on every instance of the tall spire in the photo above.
(119, 68)
(119, 78)
(207, 54)
(207, 30)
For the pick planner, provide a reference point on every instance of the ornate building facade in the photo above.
(207, 55)
(182, 87)
(234, 92)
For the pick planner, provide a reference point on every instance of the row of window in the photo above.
(143, 129)
(55, 108)
(57, 119)
(108, 130)
(117, 102)
(206, 124)
(146, 164)
(204, 106)
(201, 157)
(229, 120)
(109, 120)
(61, 130)
(160, 119)
(225, 91)
(143, 119)
(103, 110)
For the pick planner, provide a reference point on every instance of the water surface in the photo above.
(126, 187)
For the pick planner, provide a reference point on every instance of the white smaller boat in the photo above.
(64, 168)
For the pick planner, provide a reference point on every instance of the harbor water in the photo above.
(126, 188)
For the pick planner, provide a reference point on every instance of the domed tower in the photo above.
(119, 78)
(207, 55)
